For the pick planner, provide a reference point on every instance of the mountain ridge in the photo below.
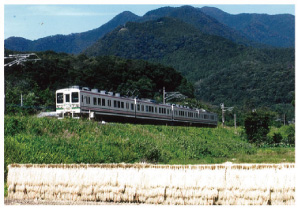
(198, 17)
(262, 28)
(73, 43)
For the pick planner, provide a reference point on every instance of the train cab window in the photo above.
(60, 98)
(67, 97)
(103, 102)
(75, 97)
(132, 106)
(94, 101)
(99, 101)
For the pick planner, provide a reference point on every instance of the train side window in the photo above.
(142, 108)
(122, 105)
(159, 110)
(82, 98)
(99, 101)
(103, 102)
(138, 107)
(205, 116)
(94, 101)
(109, 103)
(132, 106)
(155, 109)
(87, 100)
(127, 105)
(115, 103)
(168, 111)
(147, 108)
(75, 97)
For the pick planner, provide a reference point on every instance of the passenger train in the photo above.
(107, 106)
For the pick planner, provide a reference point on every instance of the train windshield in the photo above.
(67, 98)
(60, 98)
(75, 97)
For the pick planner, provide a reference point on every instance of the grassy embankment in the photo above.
(43, 140)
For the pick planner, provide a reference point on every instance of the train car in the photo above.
(107, 106)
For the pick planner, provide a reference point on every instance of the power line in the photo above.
(20, 59)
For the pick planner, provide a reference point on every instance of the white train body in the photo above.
(109, 107)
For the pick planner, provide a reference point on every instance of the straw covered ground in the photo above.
(218, 184)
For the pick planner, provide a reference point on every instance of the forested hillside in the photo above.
(221, 70)
(38, 81)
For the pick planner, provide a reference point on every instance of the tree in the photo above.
(257, 126)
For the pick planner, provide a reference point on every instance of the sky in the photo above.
(33, 21)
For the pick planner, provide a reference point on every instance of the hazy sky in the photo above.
(37, 21)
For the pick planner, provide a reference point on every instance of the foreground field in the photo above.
(52, 141)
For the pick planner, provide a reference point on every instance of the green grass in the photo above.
(43, 140)
(5, 190)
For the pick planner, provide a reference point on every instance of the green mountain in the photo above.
(73, 43)
(248, 29)
(273, 30)
(200, 20)
(221, 70)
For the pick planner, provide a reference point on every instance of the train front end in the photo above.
(68, 102)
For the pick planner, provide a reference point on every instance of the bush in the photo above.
(257, 126)
(277, 138)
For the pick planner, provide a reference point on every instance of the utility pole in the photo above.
(234, 122)
(223, 119)
(224, 109)
(164, 95)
